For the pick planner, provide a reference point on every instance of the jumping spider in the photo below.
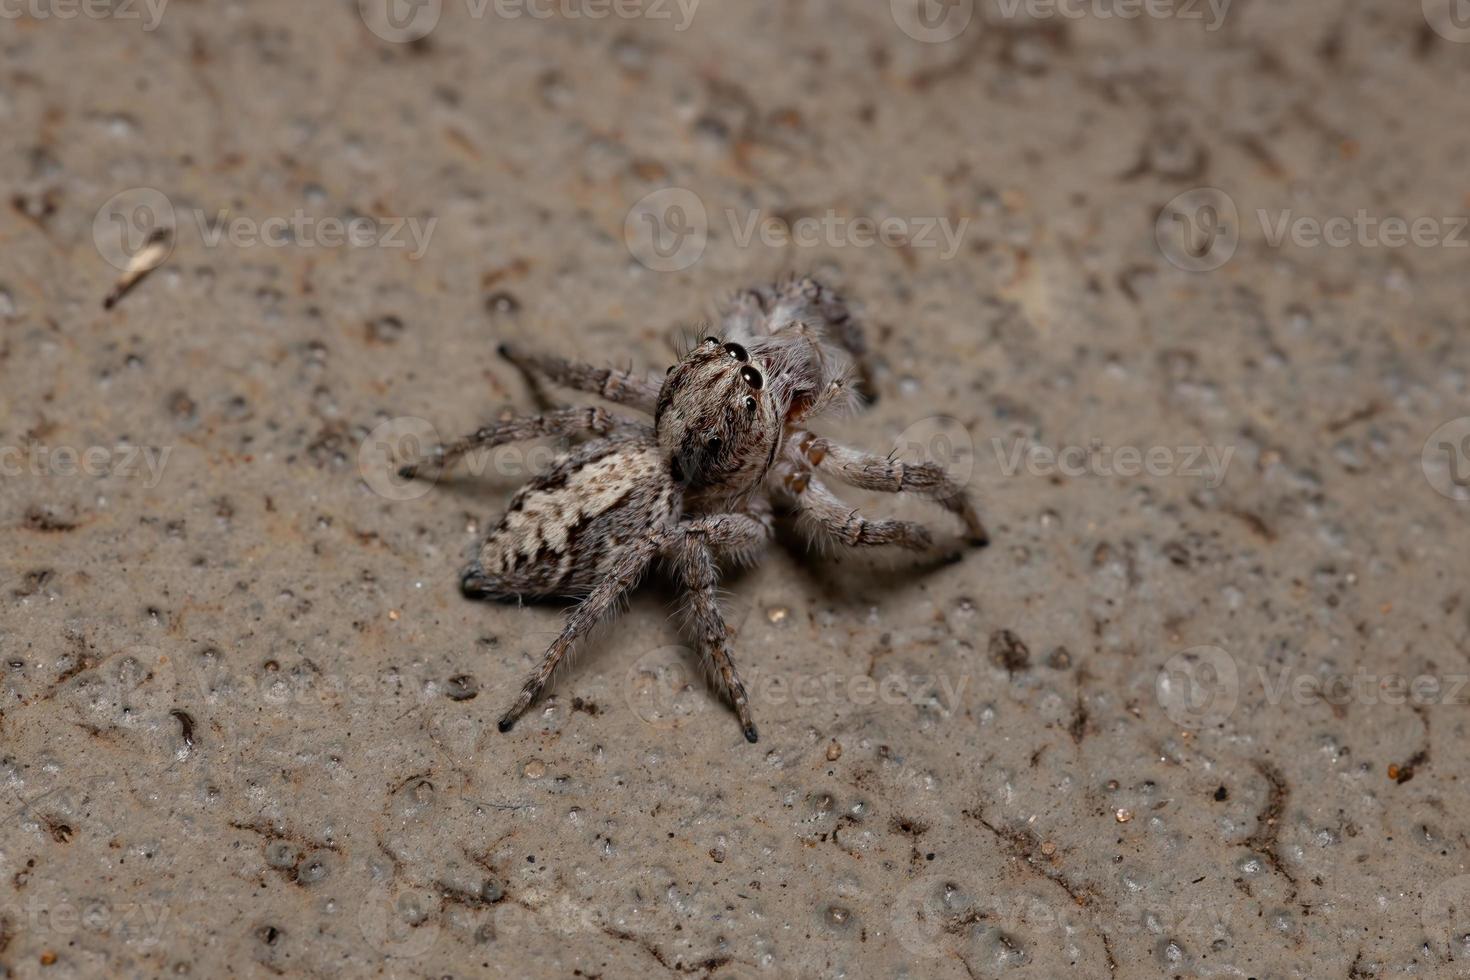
(726, 446)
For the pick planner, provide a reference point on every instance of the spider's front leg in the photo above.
(627, 570)
(690, 549)
(567, 421)
(622, 387)
(845, 523)
(887, 475)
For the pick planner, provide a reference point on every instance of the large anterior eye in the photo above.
(752, 377)
(737, 352)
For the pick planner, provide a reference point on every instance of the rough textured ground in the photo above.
(1158, 728)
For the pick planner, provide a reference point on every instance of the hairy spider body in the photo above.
(698, 485)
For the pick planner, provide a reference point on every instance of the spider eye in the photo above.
(737, 352)
(671, 369)
(752, 377)
(713, 445)
(750, 404)
(712, 340)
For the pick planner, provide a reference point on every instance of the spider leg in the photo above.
(691, 551)
(739, 535)
(831, 515)
(622, 387)
(567, 421)
(629, 567)
(885, 474)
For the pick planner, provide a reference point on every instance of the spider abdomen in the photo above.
(563, 530)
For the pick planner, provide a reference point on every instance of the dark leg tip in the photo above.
(408, 471)
(505, 724)
(750, 734)
(980, 540)
(503, 350)
(472, 582)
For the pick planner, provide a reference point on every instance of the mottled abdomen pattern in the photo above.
(563, 529)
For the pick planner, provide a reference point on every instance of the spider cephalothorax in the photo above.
(726, 447)
(717, 421)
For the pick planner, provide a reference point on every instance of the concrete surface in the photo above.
(1180, 719)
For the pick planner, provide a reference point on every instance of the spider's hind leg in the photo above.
(599, 604)
(567, 421)
(805, 304)
(807, 299)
